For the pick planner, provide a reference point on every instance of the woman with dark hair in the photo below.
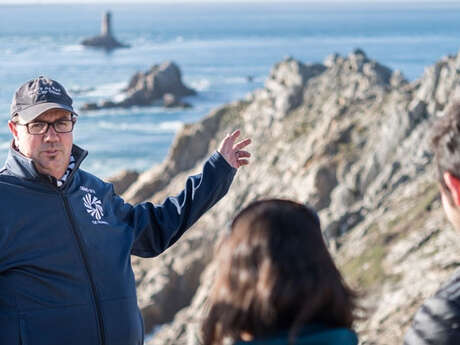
(277, 283)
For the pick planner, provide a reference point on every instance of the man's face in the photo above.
(50, 152)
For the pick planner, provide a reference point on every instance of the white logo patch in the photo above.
(93, 206)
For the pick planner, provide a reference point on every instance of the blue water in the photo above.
(216, 45)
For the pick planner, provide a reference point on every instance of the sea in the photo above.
(224, 50)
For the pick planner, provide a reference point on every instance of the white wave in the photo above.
(119, 97)
(258, 41)
(127, 111)
(237, 80)
(5, 146)
(73, 48)
(163, 127)
(205, 84)
(201, 84)
(107, 90)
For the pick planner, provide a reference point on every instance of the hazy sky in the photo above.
(179, 1)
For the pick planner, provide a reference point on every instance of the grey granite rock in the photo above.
(350, 137)
(123, 180)
(151, 88)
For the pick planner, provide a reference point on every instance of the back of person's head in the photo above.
(446, 144)
(275, 273)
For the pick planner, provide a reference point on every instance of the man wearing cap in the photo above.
(66, 237)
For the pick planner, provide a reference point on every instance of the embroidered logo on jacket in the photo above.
(93, 206)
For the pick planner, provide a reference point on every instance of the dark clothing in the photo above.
(65, 266)
(438, 319)
(311, 335)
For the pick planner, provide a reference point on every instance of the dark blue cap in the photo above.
(37, 96)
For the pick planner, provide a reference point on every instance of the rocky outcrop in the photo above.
(349, 136)
(105, 40)
(123, 180)
(161, 85)
(172, 101)
(190, 147)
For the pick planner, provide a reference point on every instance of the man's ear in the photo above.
(13, 129)
(453, 184)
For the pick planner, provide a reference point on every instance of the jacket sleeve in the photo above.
(157, 227)
(436, 322)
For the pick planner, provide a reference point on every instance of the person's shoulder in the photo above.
(438, 319)
(5, 172)
(450, 290)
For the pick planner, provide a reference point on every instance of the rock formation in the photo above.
(161, 85)
(105, 40)
(350, 137)
(123, 180)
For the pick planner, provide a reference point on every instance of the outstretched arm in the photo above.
(157, 227)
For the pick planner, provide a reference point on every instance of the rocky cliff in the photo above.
(348, 136)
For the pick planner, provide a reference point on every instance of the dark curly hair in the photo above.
(445, 143)
(275, 273)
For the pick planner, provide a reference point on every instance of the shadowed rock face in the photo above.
(105, 40)
(161, 85)
(349, 136)
(123, 180)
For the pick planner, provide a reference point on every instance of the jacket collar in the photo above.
(23, 167)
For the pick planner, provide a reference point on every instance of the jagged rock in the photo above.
(353, 142)
(107, 104)
(105, 40)
(147, 88)
(342, 225)
(171, 101)
(167, 288)
(397, 80)
(123, 180)
(186, 323)
(287, 80)
(89, 106)
(342, 198)
(188, 149)
(324, 181)
(331, 60)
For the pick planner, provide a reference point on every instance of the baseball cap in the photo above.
(38, 95)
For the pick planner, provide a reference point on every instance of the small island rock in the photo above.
(105, 40)
(161, 85)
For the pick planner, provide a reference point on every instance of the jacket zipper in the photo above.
(88, 271)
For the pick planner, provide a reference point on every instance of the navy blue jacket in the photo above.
(65, 267)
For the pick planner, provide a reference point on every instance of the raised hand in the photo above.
(233, 153)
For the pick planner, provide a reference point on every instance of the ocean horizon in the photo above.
(216, 45)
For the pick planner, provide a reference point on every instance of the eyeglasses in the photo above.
(41, 127)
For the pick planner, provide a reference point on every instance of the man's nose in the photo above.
(51, 134)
